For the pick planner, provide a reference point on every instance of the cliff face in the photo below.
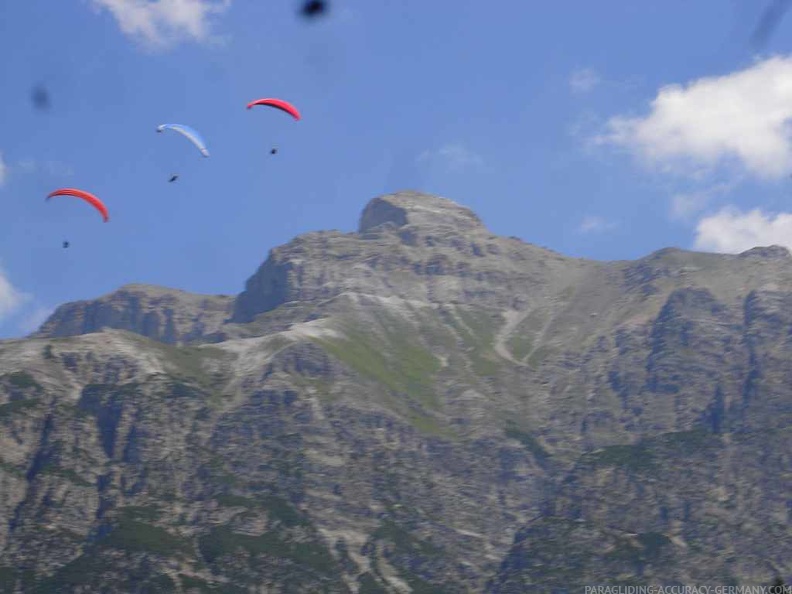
(410, 246)
(165, 315)
(420, 406)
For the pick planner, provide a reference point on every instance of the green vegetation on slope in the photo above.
(399, 363)
(15, 406)
(21, 380)
(132, 535)
(477, 329)
(636, 457)
(222, 541)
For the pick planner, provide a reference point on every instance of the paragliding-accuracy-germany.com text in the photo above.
(688, 590)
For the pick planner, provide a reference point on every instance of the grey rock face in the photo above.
(166, 315)
(418, 209)
(420, 406)
(412, 246)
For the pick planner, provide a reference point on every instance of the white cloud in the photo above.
(732, 231)
(33, 320)
(583, 80)
(594, 224)
(11, 298)
(55, 168)
(685, 205)
(163, 22)
(3, 170)
(453, 157)
(744, 117)
(27, 166)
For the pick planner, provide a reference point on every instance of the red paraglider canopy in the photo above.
(278, 104)
(87, 196)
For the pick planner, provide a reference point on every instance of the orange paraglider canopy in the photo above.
(278, 104)
(87, 196)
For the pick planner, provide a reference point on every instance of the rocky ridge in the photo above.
(420, 406)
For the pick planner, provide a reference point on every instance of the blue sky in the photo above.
(602, 129)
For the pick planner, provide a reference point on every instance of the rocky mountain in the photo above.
(166, 315)
(420, 406)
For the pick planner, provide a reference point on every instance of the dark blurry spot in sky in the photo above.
(40, 98)
(314, 8)
(771, 16)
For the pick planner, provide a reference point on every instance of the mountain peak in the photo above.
(774, 252)
(416, 208)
